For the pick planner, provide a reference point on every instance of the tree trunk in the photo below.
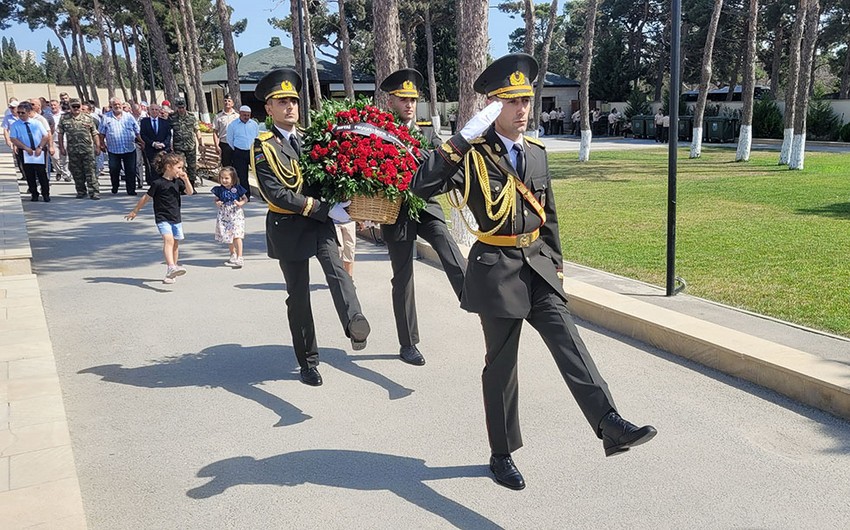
(801, 102)
(345, 53)
(776, 63)
(87, 66)
(117, 67)
(230, 52)
(528, 16)
(745, 138)
(195, 69)
(584, 97)
(844, 91)
(472, 31)
(182, 54)
(432, 78)
(131, 75)
(385, 16)
(296, 42)
(78, 65)
(705, 79)
(139, 70)
(544, 64)
(791, 82)
(472, 56)
(104, 50)
(71, 67)
(158, 45)
(409, 46)
(734, 81)
(314, 66)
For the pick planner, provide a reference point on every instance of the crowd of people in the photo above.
(71, 140)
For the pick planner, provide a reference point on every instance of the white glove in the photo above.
(338, 212)
(479, 123)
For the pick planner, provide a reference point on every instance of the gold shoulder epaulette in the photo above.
(479, 140)
(265, 136)
(424, 123)
(535, 141)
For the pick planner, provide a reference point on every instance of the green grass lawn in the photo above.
(752, 235)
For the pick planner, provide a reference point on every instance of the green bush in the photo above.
(844, 133)
(767, 119)
(637, 105)
(822, 123)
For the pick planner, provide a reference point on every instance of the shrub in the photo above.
(844, 133)
(822, 123)
(767, 119)
(637, 105)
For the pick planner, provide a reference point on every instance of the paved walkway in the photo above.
(185, 409)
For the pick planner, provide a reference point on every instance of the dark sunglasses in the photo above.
(75, 106)
(22, 112)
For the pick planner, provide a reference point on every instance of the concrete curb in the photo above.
(804, 377)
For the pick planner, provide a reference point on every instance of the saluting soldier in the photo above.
(515, 267)
(78, 141)
(403, 88)
(300, 225)
(186, 138)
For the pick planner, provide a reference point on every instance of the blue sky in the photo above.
(259, 31)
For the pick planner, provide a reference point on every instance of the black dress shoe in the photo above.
(358, 331)
(46, 198)
(618, 435)
(34, 198)
(310, 376)
(505, 472)
(411, 355)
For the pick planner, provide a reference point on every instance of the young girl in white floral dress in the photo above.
(230, 223)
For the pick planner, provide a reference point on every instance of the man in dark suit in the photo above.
(403, 88)
(300, 225)
(156, 133)
(515, 267)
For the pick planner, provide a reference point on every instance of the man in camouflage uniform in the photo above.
(187, 138)
(78, 141)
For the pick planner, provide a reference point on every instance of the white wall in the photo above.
(50, 91)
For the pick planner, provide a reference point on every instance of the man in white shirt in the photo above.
(241, 134)
(544, 121)
(222, 120)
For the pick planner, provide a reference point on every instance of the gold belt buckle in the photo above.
(523, 240)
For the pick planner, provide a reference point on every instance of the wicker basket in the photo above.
(377, 209)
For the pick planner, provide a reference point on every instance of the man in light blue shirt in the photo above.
(31, 138)
(119, 133)
(240, 137)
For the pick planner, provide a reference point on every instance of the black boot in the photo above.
(618, 435)
(505, 472)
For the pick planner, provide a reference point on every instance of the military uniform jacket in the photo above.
(80, 133)
(185, 132)
(290, 236)
(497, 280)
(404, 229)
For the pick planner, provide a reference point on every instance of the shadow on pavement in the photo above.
(134, 282)
(356, 470)
(232, 367)
(344, 362)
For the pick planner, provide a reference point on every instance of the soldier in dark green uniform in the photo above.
(515, 267)
(403, 88)
(186, 138)
(78, 131)
(299, 225)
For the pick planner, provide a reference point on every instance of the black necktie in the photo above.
(293, 141)
(520, 161)
(29, 133)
